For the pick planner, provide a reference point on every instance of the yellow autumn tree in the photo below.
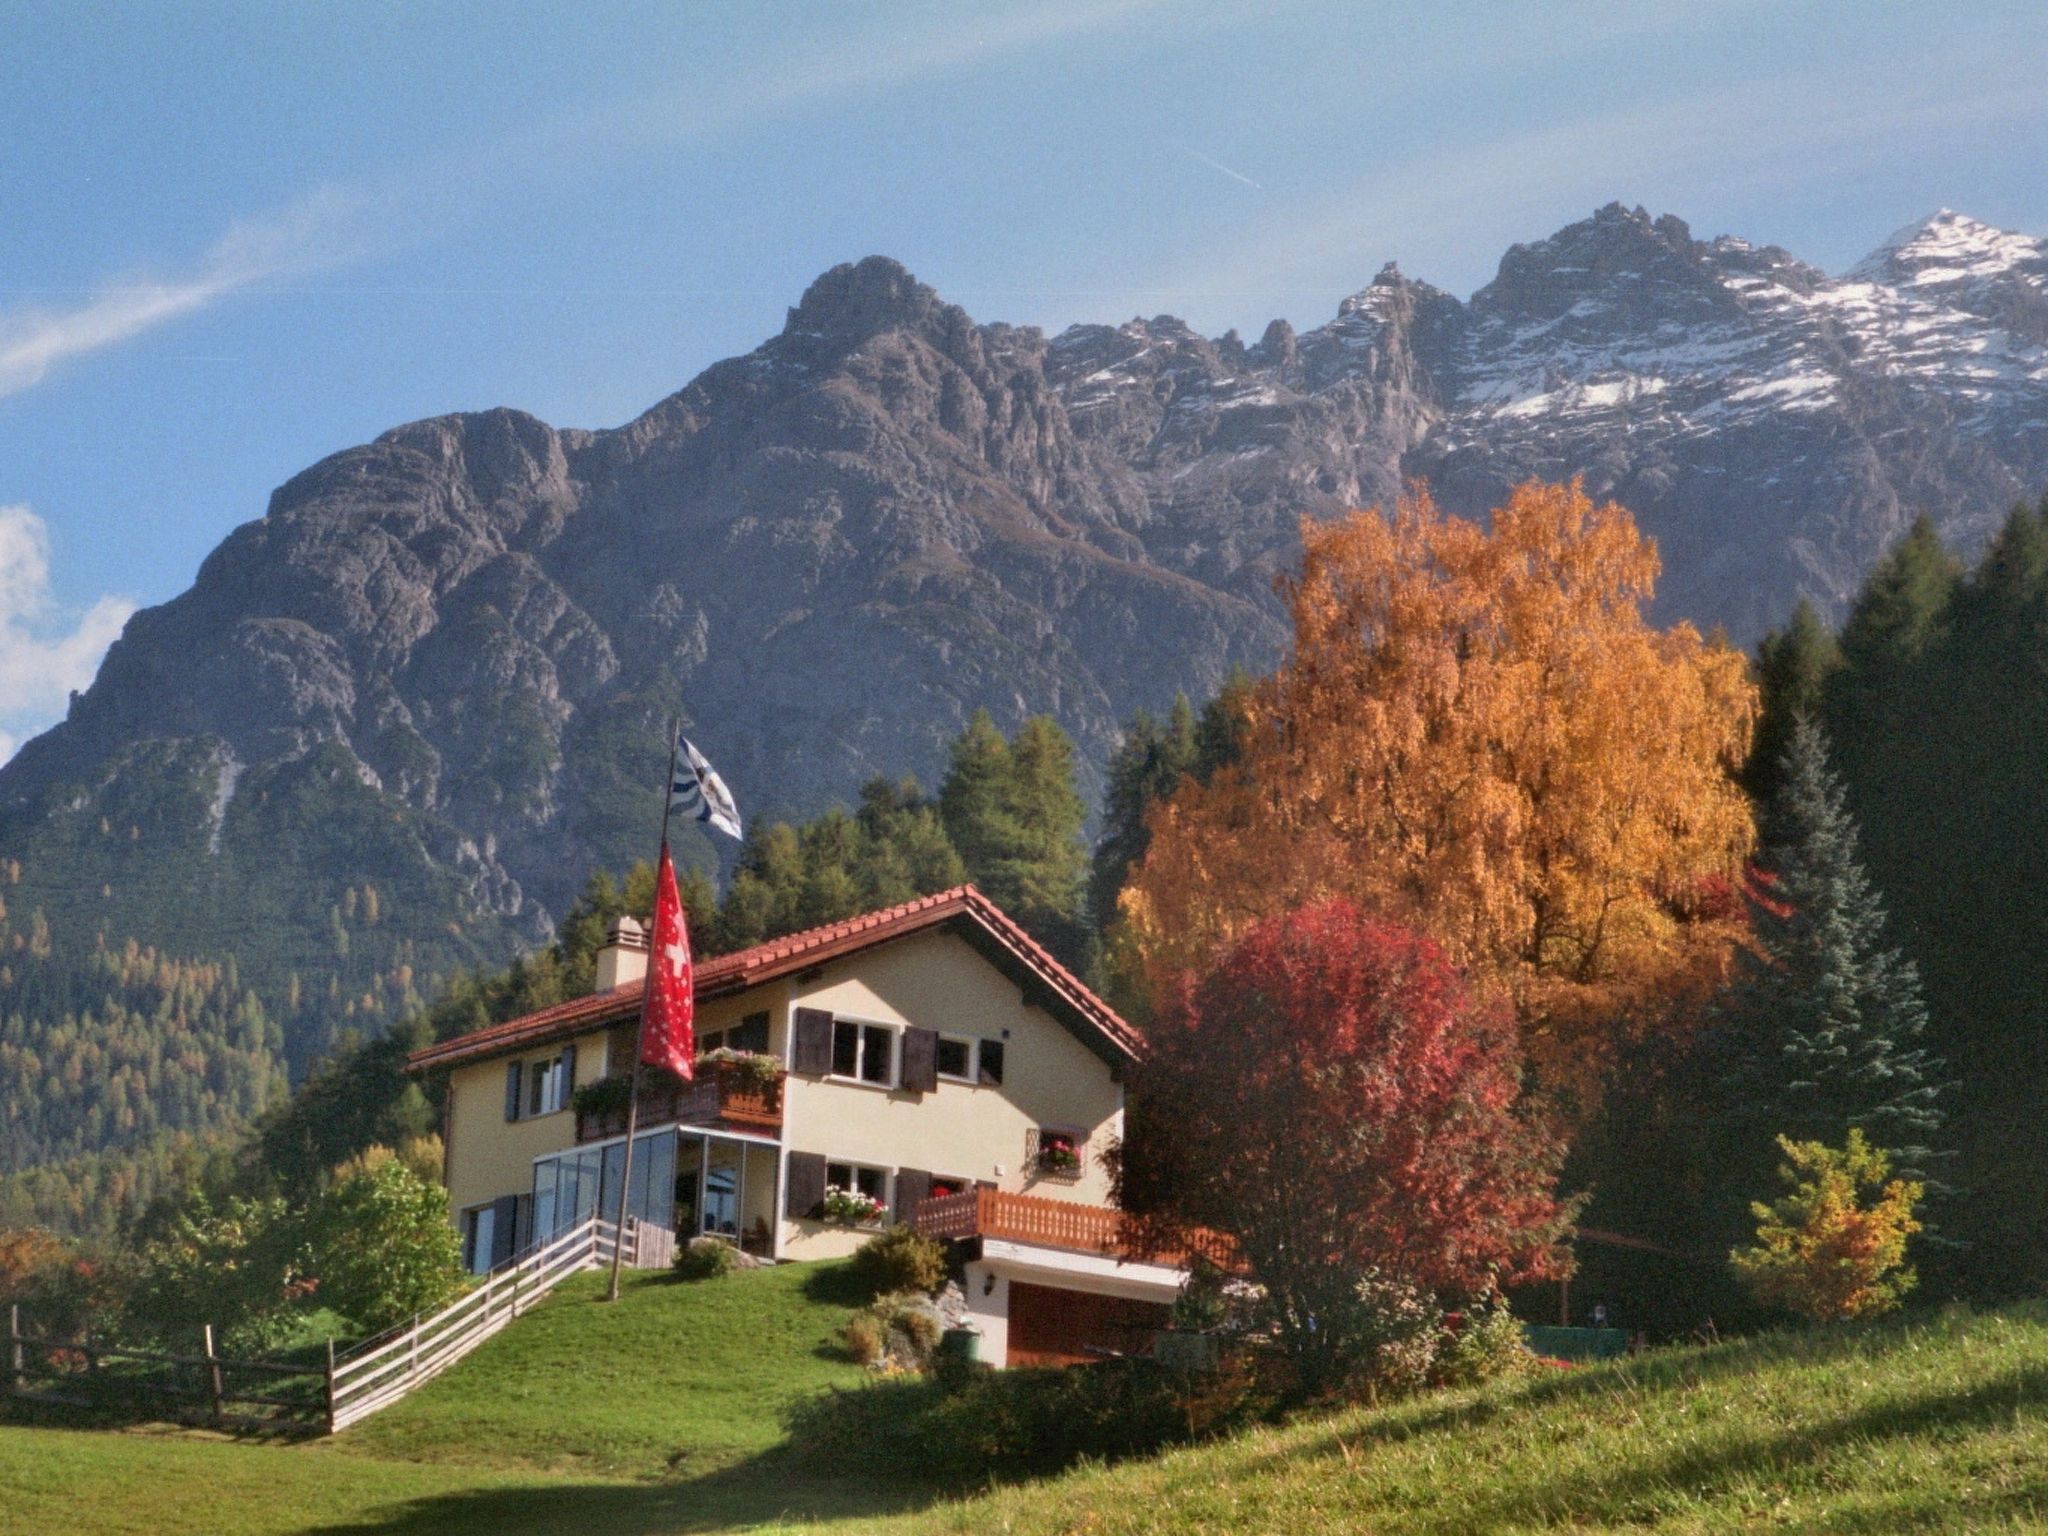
(1481, 734)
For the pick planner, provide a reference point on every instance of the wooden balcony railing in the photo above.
(1066, 1224)
(715, 1097)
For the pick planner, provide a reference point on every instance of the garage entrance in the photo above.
(1056, 1327)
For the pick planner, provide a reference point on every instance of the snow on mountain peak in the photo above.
(1947, 247)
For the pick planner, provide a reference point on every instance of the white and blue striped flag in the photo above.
(698, 791)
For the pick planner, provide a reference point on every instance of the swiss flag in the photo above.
(668, 1007)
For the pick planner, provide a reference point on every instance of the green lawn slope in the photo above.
(662, 1415)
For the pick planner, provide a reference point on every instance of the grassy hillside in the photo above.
(662, 1416)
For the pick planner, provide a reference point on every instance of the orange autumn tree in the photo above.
(1478, 733)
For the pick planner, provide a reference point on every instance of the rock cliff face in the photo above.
(441, 661)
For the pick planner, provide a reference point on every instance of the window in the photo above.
(872, 1182)
(547, 1086)
(479, 1227)
(750, 1034)
(944, 1184)
(956, 1058)
(864, 1051)
(992, 1062)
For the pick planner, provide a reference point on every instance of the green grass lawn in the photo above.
(677, 1379)
(1938, 1423)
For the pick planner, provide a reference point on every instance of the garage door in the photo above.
(1053, 1327)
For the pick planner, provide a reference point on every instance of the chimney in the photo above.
(623, 960)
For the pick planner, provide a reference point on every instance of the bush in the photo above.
(381, 1243)
(1393, 1331)
(899, 1260)
(1822, 1251)
(1003, 1423)
(242, 1267)
(1489, 1347)
(705, 1258)
(900, 1330)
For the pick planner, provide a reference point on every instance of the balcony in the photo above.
(720, 1095)
(1064, 1224)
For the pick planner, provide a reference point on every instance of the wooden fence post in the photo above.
(17, 1371)
(330, 1384)
(215, 1382)
(412, 1370)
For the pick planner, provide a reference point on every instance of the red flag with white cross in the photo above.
(668, 1006)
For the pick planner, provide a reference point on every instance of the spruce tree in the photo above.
(1825, 1020)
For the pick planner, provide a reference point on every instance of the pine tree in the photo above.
(1793, 666)
(1900, 610)
(1825, 1021)
(1015, 819)
(972, 800)
(1146, 768)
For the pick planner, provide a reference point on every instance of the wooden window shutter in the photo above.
(921, 1060)
(514, 1078)
(804, 1184)
(811, 1054)
(913, 1188)
(504, 1229)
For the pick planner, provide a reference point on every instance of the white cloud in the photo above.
(44, 654)
(316, 231)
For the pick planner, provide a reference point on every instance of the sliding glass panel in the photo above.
(722, 1189)
(654, 1178)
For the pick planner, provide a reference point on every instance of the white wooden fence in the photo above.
(380, 1371)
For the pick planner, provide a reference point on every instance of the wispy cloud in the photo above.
(1219, 167)
(343, 223)
(44, 654)
(1725, 142)
(319, 230)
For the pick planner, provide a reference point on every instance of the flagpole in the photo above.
(668, 795)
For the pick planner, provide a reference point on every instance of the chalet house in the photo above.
(930, 1057)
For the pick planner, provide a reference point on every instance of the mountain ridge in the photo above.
(441, 661)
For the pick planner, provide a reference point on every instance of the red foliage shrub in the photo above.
(1334, 1097)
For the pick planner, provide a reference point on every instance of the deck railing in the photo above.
(1065, 1224)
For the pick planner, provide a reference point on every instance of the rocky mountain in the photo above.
(438, 666)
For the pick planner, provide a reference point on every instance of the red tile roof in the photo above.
(979, 920)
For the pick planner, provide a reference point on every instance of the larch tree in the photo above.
(1479, 733)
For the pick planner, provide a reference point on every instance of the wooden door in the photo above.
(1055, 1327)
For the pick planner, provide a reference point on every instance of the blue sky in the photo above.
(242, 236)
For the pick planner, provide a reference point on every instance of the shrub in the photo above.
(1820, 1251)
(1393, 1330)
(899, 1260)
(900, 1330)
(864, 1338)
(1489, 1347)
(241, 1267)
(705, 1258)
(1004, 1423)
(381, 1243)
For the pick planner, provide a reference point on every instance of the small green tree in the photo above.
(1835, 1247)
(381, 1244)
(240, 1265)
